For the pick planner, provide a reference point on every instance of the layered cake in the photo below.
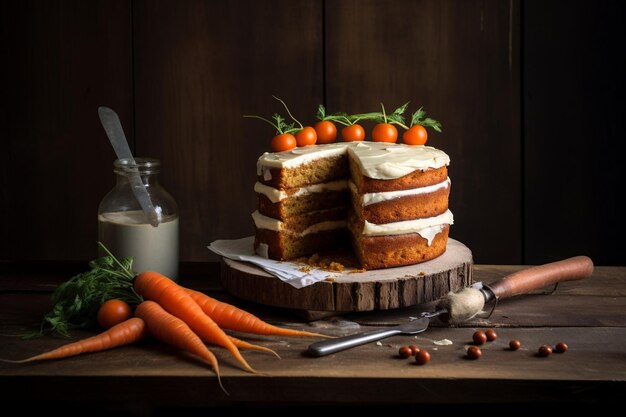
(389, 202)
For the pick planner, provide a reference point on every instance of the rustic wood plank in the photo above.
(347, 377)
(149, 375)
(351, 291)
(66, 59)
(521, 311)
(447, 57)
(215, 62)
(252, 284)
(605, 281)
(561, 89)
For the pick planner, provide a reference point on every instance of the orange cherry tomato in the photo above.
(283, 142)
(353, 133)
(113, 312)
(306, 136)
(416, 135)
(385, 132)
(326, 131)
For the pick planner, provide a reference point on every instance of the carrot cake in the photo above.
(388, 201)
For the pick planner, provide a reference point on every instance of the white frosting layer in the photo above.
(373, 198)
(427, 228)
(264, 222)
(377, 160)
(408, 226)
(387, 161)
(298, 156)
(275, 195)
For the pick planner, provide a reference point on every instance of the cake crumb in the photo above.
(305, 269)
(422, 273)
(329, 278)
(335, 262)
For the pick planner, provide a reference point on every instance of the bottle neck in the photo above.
(147, 168)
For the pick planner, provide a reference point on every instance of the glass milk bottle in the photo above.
(126, 231)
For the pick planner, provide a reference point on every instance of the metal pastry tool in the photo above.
(462, 306)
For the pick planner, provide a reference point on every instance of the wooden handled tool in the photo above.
(461, 306)
(470, 301)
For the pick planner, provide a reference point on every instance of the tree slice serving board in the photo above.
(380, 289)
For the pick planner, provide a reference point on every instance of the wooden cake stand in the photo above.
(380, 289)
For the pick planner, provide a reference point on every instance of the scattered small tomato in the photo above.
(479, 337)
(326, 131)
(544, 351)
(515, 344)
(422, 357)
(306, 136)
(474, 352)
(353, 133)
(385, 132)
(561, 347)
(491, 335)
(405, 352)
(416, 135)
(284, 142)
(113, 312)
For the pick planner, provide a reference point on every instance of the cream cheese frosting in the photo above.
(408, 226)
(378, 160)
(276, 195)
(373, 198)
(427, 227)
(264, 222)
(387, 161)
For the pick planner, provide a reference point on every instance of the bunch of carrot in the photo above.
(181, 317)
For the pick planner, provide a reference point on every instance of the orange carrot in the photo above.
(170, 329)
(124, 333)
(242, 344)
(174, 299)
(233, 318)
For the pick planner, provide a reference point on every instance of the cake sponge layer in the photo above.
(416, 179)
(315, 172)
(409, 207)
(389, 251)
(286, 246)
(295, 206)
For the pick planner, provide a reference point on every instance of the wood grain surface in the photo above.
(381, 289)
(151, 378)
(518, 117)
(63, 60)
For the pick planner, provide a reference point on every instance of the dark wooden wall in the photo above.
(530, 96)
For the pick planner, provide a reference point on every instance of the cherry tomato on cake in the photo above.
(385, 132)
(284, 139)
(283, 142)
(113, 312)
(326, 131)
(353, 133)
(416, 135)
(306, 136)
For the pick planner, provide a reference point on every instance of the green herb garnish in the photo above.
(76, 301)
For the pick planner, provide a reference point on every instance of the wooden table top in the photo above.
(589, 315)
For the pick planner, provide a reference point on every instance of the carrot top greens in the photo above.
(77, 300)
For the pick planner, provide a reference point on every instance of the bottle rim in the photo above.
(143, 165)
